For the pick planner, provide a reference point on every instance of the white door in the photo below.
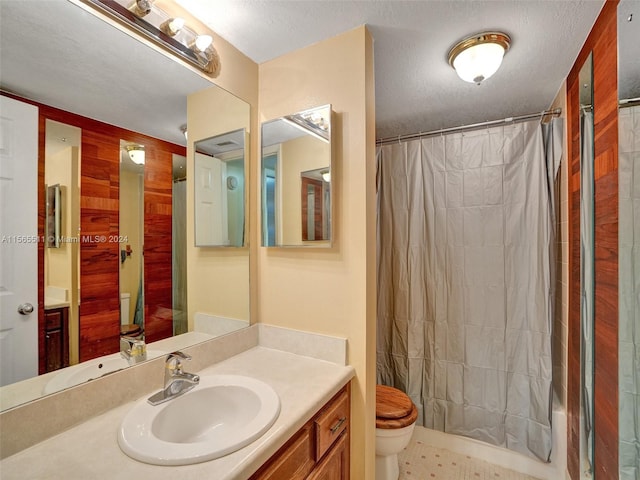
(18, 241)
(211, 201)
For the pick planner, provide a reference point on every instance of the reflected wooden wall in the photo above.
(602, 41)
(99, 211)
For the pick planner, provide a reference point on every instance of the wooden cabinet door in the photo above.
(56, 345)
(294, 461)
(335, 465)
(53, 347)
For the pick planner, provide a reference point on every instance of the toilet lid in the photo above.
(130, 329)
(392, 403)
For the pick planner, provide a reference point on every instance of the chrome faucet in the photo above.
(176, 381)
(133, 350)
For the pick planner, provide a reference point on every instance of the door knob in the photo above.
(25, 309)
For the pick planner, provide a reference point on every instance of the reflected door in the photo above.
(211, 201)
(18, 232)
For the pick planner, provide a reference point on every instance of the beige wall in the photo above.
(217, 277)
(58, 260)
(561, 320)
(331, 291)
(296, 156)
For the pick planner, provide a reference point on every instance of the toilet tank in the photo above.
(125, 300)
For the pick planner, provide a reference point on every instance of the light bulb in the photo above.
(203, 41)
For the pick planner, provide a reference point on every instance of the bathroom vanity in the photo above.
(56, 344)
(319, 450)
(308, 440)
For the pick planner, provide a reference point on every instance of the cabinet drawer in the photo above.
(294, 461)
(331, 422)
(53, 319)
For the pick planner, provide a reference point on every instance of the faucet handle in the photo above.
(178, 355)
(175, 358)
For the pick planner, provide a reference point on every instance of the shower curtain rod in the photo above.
(463, 128)
(629, 102)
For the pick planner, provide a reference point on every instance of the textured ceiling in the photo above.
(57, 53)
(61, 55)
(416, 89)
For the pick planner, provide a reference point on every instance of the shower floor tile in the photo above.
(420, 461)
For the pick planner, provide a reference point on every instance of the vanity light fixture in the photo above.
(172, 26)
(207, 54)
(170, 33)
(479, 56)
(201, 43)
(141, 7)
(136, 154)
(326, 176)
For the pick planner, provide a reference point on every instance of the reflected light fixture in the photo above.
(479, 56)
(136, 154)
(326, 176)
(183, 129)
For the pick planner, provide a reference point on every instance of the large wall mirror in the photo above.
(629, 238)
(296, 183)
(130, 275)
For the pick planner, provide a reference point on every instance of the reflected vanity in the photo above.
(296, 183)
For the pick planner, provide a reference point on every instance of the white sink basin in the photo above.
(96, 368)
(221, 415)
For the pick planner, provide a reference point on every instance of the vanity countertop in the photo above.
(90, 450)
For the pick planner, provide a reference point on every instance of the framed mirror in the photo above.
(297, 193)
(220, 193)
(54, 206)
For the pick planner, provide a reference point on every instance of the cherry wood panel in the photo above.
(99, 260)
(99, 253)
(602, 43)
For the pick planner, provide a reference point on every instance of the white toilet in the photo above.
(395, 418)
(127, 329)
(125, 299)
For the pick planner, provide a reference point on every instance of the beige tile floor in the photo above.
(420, 461)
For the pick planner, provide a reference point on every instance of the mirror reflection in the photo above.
(586, 266)
(220, 190)
(628, 238)
(296, 179)
(131, 239)
(61, 259)
(83, 314)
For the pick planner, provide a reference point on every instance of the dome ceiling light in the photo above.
(478, 57)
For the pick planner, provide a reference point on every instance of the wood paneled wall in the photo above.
(99, 211)
(602, 41)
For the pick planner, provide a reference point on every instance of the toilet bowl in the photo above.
(395, 418)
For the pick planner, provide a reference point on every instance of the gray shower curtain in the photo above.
(629, 291)
(465, 290)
